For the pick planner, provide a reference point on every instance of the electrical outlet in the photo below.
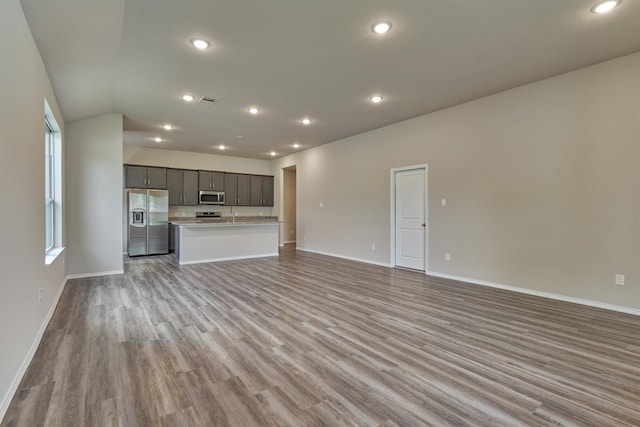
(373, 246)
(447, 256)
(443, 202)
(321, 205)
(620, 279)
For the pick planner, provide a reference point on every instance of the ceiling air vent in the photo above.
(207, 100)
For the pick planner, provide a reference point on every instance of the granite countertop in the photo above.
(186, 220)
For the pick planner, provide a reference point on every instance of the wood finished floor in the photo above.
(310, 340)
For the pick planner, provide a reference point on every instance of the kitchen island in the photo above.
(198, 241)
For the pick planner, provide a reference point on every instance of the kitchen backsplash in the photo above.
(190, 211)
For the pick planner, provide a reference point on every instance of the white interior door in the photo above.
(410, 227)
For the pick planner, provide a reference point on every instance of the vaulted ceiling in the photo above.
(305, 58)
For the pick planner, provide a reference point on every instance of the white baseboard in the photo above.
(97, 274)
(6, 401)
(232, 258)
(289, 241)
(367, 261)
(549, 295)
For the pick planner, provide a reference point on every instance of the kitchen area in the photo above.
(199, 215)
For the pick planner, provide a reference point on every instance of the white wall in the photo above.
(542, 184)
(94, 196)
(188, 160)
(24, 85)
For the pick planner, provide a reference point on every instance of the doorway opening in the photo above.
(289, 228)
(409, 231)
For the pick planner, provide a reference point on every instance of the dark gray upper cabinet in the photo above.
(146, 177)
(208, 180)
(230, 189)
(174, 185)
(236, 189)
(182, 186)
(136, 176)
(261, 190)
(190, 188)
(267, 191)
(243, 190)
(255, 188)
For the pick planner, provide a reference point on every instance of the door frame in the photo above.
(392, 209)
(282, 235)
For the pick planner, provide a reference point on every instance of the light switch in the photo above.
(443, 202)
(620, 279)
(321, 205)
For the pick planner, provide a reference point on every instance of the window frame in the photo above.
(50, 185)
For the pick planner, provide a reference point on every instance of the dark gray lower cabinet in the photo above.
(183, 187)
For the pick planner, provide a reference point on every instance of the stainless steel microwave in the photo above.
(211, 198)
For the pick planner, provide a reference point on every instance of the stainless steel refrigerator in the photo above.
(148, 222)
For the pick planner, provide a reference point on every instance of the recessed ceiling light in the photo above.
(254, 110)
(376, 99)
(296, 145)
(157, 139)
(306, 121)
(188, 97)
(200, 43)
(167, 127)
(381, 27)
(273, 153)
(605, 6)
(222, 147)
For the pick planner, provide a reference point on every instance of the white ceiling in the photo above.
(296, 58)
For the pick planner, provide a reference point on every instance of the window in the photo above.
(49, 185)
(52, 186)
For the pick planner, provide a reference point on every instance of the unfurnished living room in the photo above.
(320, 213)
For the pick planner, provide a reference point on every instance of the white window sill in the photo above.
(51, 256)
